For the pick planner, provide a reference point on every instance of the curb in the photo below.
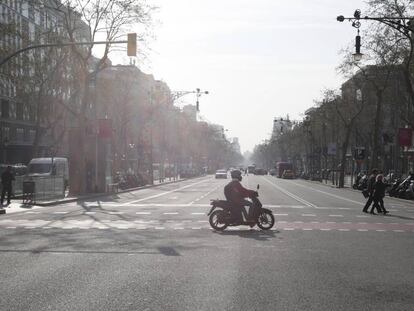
(99, 195)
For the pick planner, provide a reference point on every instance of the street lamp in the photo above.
(176, 95)
(401, 24)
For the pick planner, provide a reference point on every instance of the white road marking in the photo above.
(362, 230)
(343, 229)
(362, 216)
(325, 229)
(170, 213)
(143, 213)
(90, 213)
(330, 194)
(398, 230)
(10, 227)
(164, 193)
(203, 196)
(307, 229)
(289, 229)
(32, 212)
(290, 194)
(60, 213)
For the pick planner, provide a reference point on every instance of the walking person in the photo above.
(6, 180)
(378, 195)
(370, 189)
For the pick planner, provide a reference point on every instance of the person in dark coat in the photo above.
(6, 180)
(370, 189)
(378, 195)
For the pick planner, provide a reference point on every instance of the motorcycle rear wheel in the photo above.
(266, 219)
(216, 220)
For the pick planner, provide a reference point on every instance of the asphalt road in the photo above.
(153, 249)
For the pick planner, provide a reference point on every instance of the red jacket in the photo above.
(235, 192)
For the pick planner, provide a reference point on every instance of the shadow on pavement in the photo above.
(255, 234)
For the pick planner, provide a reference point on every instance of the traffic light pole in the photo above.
(7, 58)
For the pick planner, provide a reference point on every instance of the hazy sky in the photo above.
(258, 59)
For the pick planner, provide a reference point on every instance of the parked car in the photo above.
(221, 174)
(17, 169)
(260, 171)
(288, 174)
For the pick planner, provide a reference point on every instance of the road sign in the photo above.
(359, 153)
(332, 149)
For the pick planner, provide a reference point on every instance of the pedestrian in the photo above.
(378, 195)
(6, 180)
(370, 190)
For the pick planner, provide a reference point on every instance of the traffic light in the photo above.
(132, 44)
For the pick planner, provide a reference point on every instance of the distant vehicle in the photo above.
(221, 174)
(17, 169)
(288, 174)
(281, 167)
(272, 172)
(251, 169)
(43, 167)
(260, 171)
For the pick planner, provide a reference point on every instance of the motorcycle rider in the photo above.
(235, 193)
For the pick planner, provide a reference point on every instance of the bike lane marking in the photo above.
(291, 194)
(163, 193)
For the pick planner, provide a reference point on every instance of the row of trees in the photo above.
(376, 99)
(66, 87)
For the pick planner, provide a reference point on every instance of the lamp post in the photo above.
(401, 24)
(178, 94)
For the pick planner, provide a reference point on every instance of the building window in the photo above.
(19, 134)
(5, 112)
(19, 111)
(6, 133)
(32, 134)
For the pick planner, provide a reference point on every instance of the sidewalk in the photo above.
(18, 206)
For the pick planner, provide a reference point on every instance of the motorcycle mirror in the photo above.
(258, 186)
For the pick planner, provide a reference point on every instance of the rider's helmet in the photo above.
(236, 174)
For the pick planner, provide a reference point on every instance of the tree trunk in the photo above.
(343, 156)
(377, 129)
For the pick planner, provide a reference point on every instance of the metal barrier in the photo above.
(35, 189)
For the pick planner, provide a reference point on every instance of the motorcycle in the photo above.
(360, 182)
(220, 216)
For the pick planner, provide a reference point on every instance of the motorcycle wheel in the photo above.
(266, 219)
(216, 220)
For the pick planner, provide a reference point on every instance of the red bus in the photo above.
(282, 166)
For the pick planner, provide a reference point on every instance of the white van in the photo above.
(49, 167)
